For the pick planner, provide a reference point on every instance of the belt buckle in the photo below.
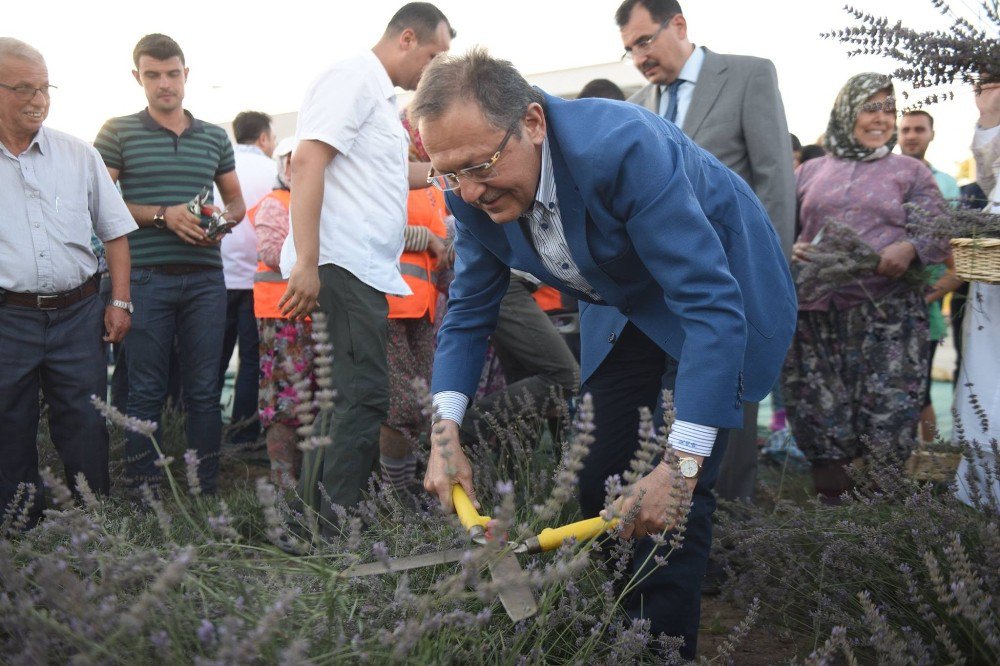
(40, 301)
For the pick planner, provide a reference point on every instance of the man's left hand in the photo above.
(117, 323)
(661, 505)
(896, 259)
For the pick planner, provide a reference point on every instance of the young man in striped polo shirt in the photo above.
(163, 157)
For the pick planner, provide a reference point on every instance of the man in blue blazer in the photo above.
(613, 205)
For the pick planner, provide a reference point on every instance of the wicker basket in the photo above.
(977, 259)
(936, 466)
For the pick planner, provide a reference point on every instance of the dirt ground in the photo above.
(761, 647)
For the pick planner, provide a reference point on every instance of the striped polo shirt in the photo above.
(159, 168)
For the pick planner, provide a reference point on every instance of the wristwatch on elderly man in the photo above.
(124, 305)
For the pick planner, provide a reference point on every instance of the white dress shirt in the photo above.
(544, 222)
(689, 73)
(352, 107)
(256, 172)
(51, 196)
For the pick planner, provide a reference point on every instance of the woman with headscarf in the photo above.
(856, 368)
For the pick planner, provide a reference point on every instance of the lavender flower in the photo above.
(206, 633)
(191, 472)
(130, 423)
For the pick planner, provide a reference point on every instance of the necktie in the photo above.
(671, 113)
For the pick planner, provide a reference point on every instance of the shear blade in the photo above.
(515, 594)
(405, 563)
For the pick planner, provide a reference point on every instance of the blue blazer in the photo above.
(672, 241)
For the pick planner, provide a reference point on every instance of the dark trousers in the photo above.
(633, 375)
(190, 308)
(119, 376)
(60, 352)
(738, 472)
(241, 326)
(356, 317)
(534, 357)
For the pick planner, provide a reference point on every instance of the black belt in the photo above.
(181, 269)
(63, 299)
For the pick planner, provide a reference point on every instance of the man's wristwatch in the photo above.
(689, 467)
(124, 305)
(160, 220)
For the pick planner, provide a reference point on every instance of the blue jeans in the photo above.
(119, 377)
(634, 374)
(61, 352)
(191, 307)
(241, 325)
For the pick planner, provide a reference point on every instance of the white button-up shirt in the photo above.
(352, 107)
(257, 174)
(51, 197)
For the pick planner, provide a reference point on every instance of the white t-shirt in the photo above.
(352, 107)
(257, 173)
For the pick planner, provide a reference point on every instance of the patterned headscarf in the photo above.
(417, 152)
(840, 139)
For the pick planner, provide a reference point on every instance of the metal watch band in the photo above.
(124, 305)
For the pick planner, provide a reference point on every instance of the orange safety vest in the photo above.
(268, 285)
(424, 208)
(548, 298)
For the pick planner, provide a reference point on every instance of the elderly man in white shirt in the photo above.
(348, 212)
(54, 190)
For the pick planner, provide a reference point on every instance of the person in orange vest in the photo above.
(286, 345)
(410, 349)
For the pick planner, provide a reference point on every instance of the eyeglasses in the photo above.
(26, 92)
(479, 173)
(888, 105)
(643, 45)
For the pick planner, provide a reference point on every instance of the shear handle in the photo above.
(584, 530)
(467, 513)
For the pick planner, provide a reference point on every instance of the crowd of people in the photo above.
(437, 240)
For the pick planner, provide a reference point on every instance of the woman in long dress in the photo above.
(856, 369)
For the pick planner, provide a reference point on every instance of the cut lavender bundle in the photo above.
(951, 223)
(839, 257)
(963, 53)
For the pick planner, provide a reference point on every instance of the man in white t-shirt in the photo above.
(348, 212)
(255, 141)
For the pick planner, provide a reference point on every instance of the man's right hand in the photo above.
(447, 465)
(302, 294)
(186, 225)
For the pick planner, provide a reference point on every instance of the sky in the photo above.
(262, 55)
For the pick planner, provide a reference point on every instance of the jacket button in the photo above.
(612, 338)
(627, 310)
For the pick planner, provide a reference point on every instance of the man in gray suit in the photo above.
(730, 106)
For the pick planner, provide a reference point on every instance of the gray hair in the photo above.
(502, 93)
(15, 48)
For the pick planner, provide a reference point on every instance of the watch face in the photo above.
(689, 468)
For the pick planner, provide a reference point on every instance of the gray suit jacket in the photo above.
(736, 114)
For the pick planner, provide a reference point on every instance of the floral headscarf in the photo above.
(417, 152)
(840, 139)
